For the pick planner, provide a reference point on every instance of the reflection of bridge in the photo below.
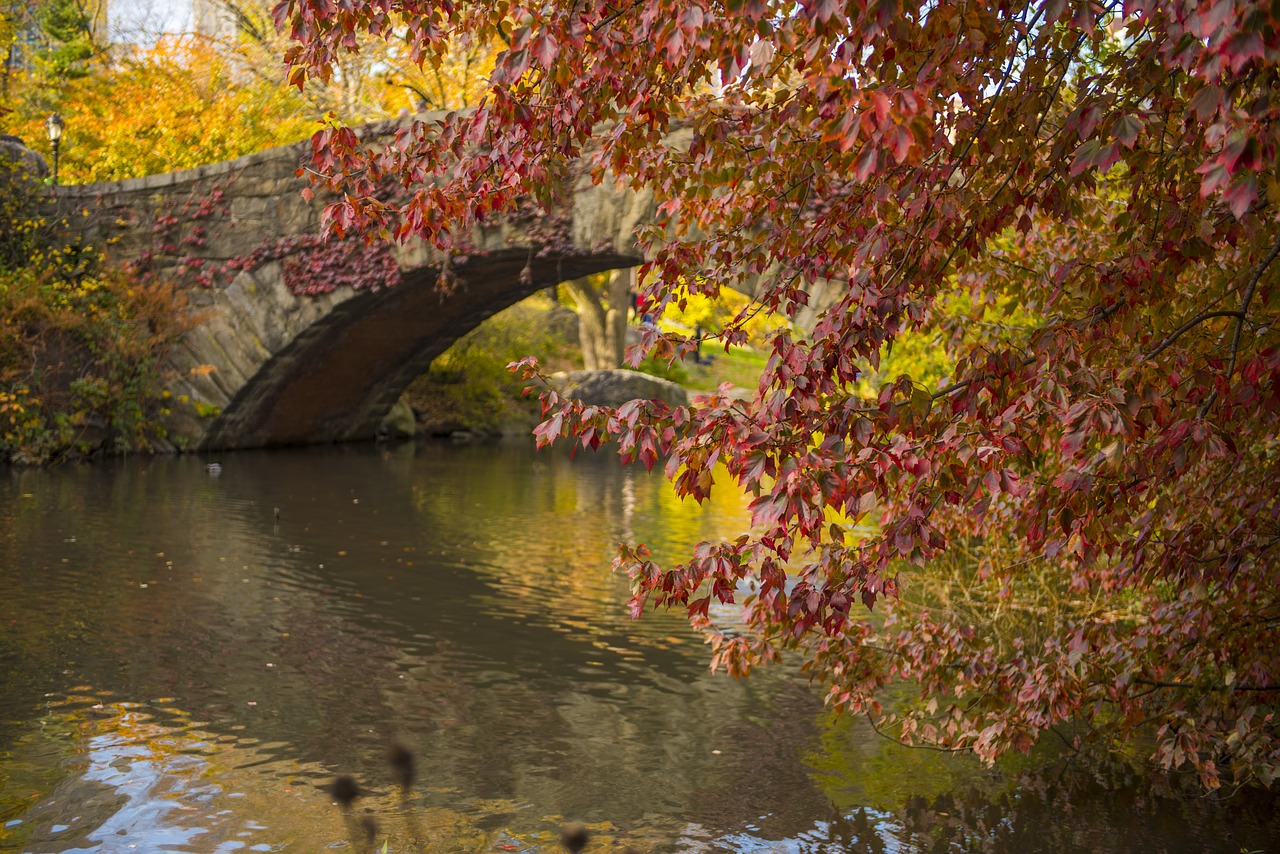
(288, 369)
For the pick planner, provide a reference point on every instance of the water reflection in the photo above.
(187, 659)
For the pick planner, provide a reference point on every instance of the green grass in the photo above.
(740, 367)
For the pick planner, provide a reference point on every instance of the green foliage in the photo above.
(468, 387)
(79, 363)
(21, 226)
(740, 364)
(728, 308)
(654, 366)
(206, 410)
(962, 321)
(70, 33)
(740, 367)
(80, 344)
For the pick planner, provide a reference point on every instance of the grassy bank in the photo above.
(468, 387)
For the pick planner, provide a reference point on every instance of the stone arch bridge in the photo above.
(265, 366)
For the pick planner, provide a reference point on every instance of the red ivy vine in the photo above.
(313, 265)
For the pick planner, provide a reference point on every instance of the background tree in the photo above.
(81, 345)
(15, 22)
(200, 109)
(70, 36)
(603, 304)
(1097, 178)
(49, 41)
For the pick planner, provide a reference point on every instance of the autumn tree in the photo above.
(71, 38)
(1068, 523)
(48, 41)
(200, 109)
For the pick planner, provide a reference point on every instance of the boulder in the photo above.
(14, 150)
(616, 387)
(400, 422)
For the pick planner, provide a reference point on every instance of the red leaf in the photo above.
(1241, 195)
(1215, 175)
(1205, 103)
(822, 9)
(691, 18)
(545, 49)
(1242, 48)
(880, 103)
(674, 44)
(902, 144)
(1126, 130)
(1088, 121)
(866, 164)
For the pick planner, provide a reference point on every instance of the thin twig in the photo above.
(939, 748)
(956, 386)
(1155, 683)
(1240, 319)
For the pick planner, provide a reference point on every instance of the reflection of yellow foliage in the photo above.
(200, 785)
(154, 753)
(575, 538)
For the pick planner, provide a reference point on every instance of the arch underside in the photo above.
(337, 380)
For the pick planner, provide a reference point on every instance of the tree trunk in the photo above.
(602, 319)
(620, 282)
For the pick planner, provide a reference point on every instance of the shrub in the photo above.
(79, 362)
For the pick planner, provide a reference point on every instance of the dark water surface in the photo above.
(181, 671)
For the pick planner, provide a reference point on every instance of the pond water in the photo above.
(184, 669)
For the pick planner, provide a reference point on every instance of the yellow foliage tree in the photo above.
(178, 105)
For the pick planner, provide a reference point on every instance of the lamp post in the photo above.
(54, 125)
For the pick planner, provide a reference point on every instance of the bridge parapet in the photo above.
(212, 214)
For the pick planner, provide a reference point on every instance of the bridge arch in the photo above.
(295, 370)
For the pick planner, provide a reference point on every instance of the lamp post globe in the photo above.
(54, 125)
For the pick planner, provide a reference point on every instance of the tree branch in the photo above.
(1156, 683)
(1240, 319)
(1193, 322)
(938, 747)
(956, 386)
(1244, 305)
